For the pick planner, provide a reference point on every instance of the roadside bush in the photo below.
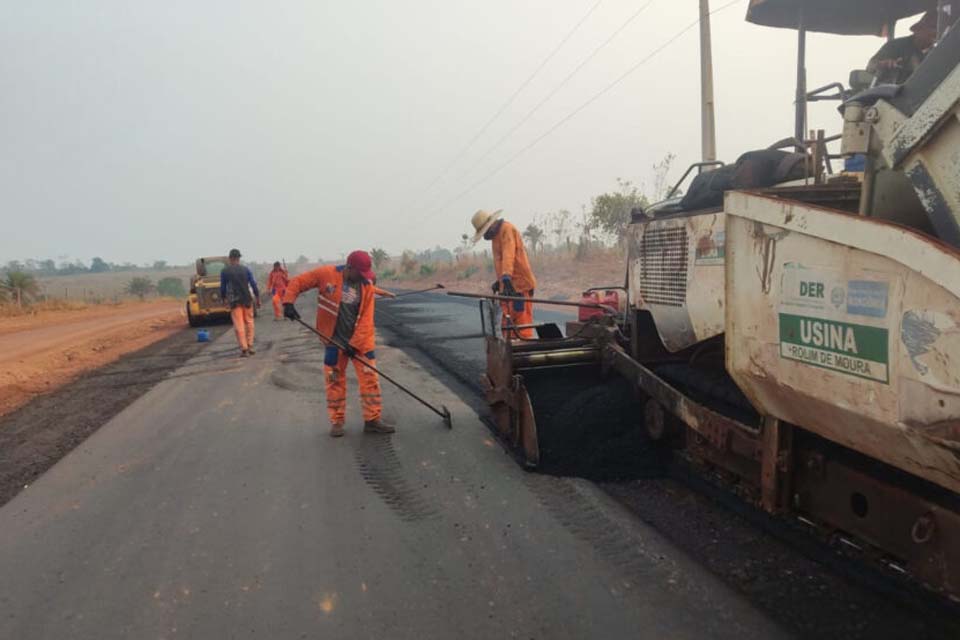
(469, 272)
(171, 288)
(388, 274)
(140, 287)
(427, 270)
(19, 287)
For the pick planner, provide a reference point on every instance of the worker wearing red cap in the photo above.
(277, 286)
(514, 273)
(345, 306)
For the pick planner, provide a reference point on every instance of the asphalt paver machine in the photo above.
(800, 341)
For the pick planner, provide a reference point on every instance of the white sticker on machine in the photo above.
(829, 321)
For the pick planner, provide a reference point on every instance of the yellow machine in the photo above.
(204, 303)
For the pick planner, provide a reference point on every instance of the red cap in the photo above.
(360, 260)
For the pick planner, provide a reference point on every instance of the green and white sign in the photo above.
(852, 349)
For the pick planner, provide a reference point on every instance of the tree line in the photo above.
(603, 223)
(50, 267)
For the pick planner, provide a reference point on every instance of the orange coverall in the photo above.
(243, 325)
(277, 283)
(328, 281)
(510, 259)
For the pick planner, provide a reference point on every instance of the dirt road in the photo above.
(39, 354)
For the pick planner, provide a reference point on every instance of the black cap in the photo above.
(234, 253)
(276, 264)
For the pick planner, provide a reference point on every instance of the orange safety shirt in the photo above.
(328, 281)
(510, 258)
(277, 281)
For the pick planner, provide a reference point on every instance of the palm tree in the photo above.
(379, 257)
(534, 234)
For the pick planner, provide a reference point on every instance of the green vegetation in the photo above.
(140, 287)
(427, 270)
(611, 211)
(469, 272)
(379, 257)
(534, 237)
(19, 287)
(171, 287)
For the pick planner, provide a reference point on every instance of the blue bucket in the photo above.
(203, 335)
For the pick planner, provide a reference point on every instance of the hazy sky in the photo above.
(166, 130)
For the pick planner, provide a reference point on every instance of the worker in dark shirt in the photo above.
(896, 61)
(239, 290)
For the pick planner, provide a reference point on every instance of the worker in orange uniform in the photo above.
(514, 275)
(345, 306)
(239, 290)
(277, 286)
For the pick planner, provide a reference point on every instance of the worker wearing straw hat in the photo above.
(514, 274)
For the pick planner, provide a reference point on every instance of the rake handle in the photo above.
(445, 416)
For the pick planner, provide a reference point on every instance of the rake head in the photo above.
(447, 418)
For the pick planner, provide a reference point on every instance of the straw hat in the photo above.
(482, 221)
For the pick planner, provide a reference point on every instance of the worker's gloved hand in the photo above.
(350, 351)
(495, 287)
(290, 311)
(507, 287)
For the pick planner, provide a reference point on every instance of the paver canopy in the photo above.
(847, 17)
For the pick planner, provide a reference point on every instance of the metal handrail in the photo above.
(813, 96)
(696, 165)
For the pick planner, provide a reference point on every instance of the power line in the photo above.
(511, 99)
(576, 111)
(556, 89)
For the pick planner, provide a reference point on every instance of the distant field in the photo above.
(105, 286)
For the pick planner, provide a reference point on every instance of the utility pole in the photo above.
(707, 121)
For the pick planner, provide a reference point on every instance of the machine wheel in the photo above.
(193, 321)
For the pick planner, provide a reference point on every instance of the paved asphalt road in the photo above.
(449, 329)
(217, 507)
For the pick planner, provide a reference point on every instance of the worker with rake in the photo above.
(514, 274)
(345, 305)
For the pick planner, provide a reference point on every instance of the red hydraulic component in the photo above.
(606, 297)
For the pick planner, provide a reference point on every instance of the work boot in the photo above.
(378, 426)
(244, 353)
(250, 351)
(336, 431)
